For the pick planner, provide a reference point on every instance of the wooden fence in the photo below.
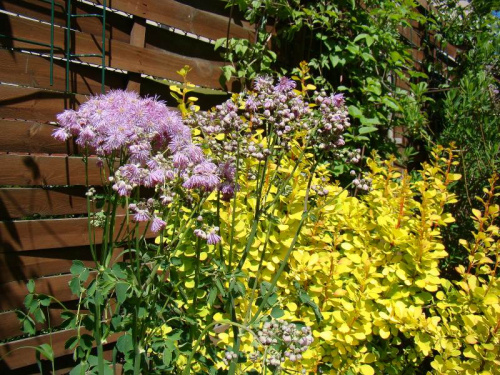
(42, 194)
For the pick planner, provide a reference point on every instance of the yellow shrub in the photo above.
(364, 273)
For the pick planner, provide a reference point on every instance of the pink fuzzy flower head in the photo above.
(200, 233)
(212, 236)
(157, 224)
(204, 177)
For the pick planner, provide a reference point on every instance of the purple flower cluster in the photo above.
(285, 341)
(154, 144)
(276, 107)
(334, 120)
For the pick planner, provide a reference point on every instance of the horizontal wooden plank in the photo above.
(159, 63)
(22, 266)
(34, 71)
(117, 26)
(25, 356)
(11, 325)
(13, 293)
(31, 137)
(16, 203)
(28, 235)
(46, 170)
(182, 16)
(165, 40)
(34, 104)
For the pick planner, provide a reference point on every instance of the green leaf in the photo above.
(167, 356)
(369, 121)
(277, 313)
(355, 111)
(29, 302)
(46, 351)
(119, 270)
(71, 343)
(77, 267)
(74, 285)
(367, 129)
(28, 326)
(86, 341)
(360, 36)
(31, 286)
(219, 43)
(391, 103)
(79, 369)
(121, 292)
(361, 138)
(44, 300)
(125, 343)
(212, 296)
(334, 59)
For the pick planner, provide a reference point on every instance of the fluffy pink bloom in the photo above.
(142, 215)
(204, 177)
(157, 224)
(212, 237)
(61, 134)
(200, 233)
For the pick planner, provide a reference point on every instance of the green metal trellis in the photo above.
(67, 48)
(70, 55)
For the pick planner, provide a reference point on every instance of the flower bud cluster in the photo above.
(91, 193)
(208, 234)
(98, 219)
(228, 357)
(285, 341)
(363, 183)
(321, 191)
(334, 120)
(354, 156)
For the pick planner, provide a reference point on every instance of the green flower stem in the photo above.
(137, 353)
(233, 219)
(182, 231)
(217, 220)
(261, 261)
(264, 369)
(89, 224)
(284, 262)
(196, 275)
(97, 332)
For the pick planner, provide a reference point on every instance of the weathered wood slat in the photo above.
(35, 104)
(11, 326)
(13, 293)
(117, 26)
(16, 203)
(31, 70)
(41, 263)
(124, 56)
(46, 170)
(28, 235)
(35, 264)
(31, 137)
(182, 16)
(25, 357)
(40, 105)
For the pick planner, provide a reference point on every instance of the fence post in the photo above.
(137, 39)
